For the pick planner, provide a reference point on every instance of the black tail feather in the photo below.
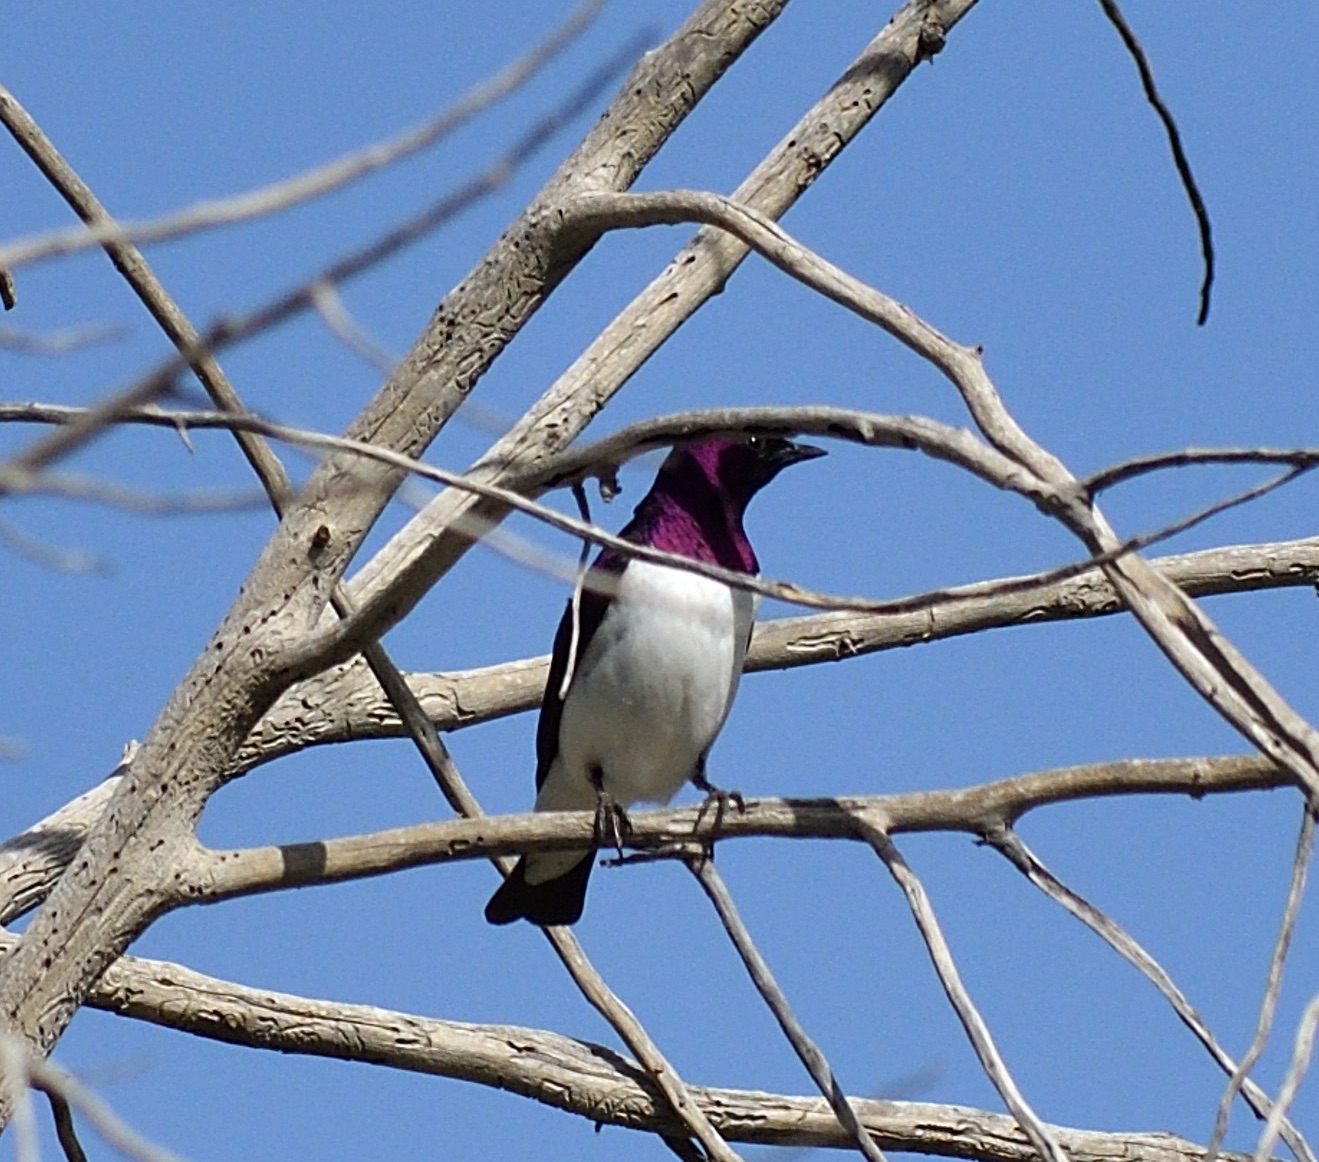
(556, 901)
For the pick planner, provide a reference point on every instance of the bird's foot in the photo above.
(718, 797)
(611, 821)
(612, 825)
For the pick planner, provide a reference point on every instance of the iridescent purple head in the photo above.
(734, 469)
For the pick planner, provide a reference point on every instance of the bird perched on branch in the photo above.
(652, 666)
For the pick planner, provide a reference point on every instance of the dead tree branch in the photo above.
(591, 1081)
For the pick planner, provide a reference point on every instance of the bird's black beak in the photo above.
(792, 452)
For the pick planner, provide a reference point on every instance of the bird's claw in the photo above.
(611, 823)
(719, 797)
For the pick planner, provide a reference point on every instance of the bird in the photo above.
(657, 658)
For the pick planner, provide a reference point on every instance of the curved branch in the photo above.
(1219, 672)
(577, 1077)
(1180, 160)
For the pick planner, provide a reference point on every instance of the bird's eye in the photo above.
(755, 442)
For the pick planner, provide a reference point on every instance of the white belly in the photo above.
(651, 690)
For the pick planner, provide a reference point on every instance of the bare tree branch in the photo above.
(58, 342)
(32, 861)
(589, 1080)
(702, 867)
(1273, 985)
(1009, 844)
(118, 237)
(1291, 1082)
(211, 875)
(343, 704)
(977, 1031)
(1115, 17)
(1142, 465)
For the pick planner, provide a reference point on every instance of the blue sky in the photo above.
(1019, 195)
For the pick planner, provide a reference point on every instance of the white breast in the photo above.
(652, 689)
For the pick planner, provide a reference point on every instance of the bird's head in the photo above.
(736, 468)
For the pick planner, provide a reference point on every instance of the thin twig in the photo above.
(1239, 570)
(817, 1065)
(1009, 844)
(942, 441)
(49, 556)
(1137, 53)
(65, 1131)
(1273, 985)
(150, 415)
(74, 486)
(289, 192)
(991, 1061)
(1199, 516)
(15, 1085)
(229, 331)
(58, 342)
(1302, 1051)
(330, 306)
(1142, 465)
(23, 1071)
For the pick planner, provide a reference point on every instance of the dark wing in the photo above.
(608, 567)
